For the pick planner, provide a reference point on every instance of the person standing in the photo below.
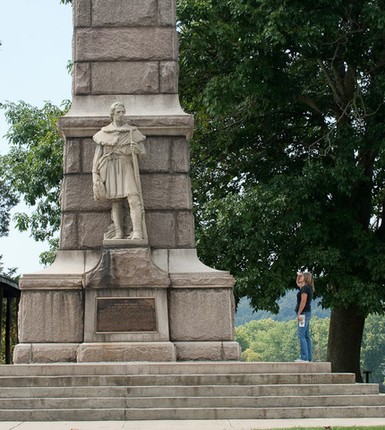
(305, 283)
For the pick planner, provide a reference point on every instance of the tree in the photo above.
(288, 152)
(373, 348)
(33, 167)
(269, 340)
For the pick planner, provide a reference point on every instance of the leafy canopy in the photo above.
(33, 166)
(288, 152)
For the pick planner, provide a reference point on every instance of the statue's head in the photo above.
(114, 107)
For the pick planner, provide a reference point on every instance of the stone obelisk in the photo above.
(126, 300)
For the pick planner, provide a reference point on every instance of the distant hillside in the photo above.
(245, 314)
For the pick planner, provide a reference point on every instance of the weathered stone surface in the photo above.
(81, 13)
(121, 13)
(22, 354)
(185, 229)
(54, 353)
(180, 156)
(201, 315)
(161, 191)
(68, 231)
(92, 226)
(78, 195)
(133, 351)
(126, 267)
(88, 151)
(51, 316)
(207, 351)
(149, 125)
(82, 78)
(105, 44)
(161, 229)
(157, 157)
(169, 77)
(125, 78)
(167, 12)
(72, 156)
(213, 279)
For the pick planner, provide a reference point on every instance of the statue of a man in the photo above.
(115, 173)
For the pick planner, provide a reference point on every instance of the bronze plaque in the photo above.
(125, 314)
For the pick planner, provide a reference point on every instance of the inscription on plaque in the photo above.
(126, 314)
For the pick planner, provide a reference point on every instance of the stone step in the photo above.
(123, 414)
(162, 368)
(189, 391)
(191, 379)
(191, 402)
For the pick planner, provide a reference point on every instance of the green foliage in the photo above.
(269, 340)
(8, 200)
(33, 165)
(373, 348)
(288, 152)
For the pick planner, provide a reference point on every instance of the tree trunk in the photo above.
(345, 336)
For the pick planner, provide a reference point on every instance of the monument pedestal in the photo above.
(126, 300)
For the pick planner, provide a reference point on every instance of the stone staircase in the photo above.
(183, 390)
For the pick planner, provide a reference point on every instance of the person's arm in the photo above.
(302, 305)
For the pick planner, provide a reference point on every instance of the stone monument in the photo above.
(126, 284)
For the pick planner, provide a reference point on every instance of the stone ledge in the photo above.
(152, 125)
(121, 351)
(207, 351)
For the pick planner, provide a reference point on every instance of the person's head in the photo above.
(308, 279)
(117, 112)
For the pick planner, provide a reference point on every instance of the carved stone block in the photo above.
(68, 237)
(201, 314)
(122, 13)
(157, 157)
(169, 77)
(185, 230)
(125, 78)
(92, 226)
(137, 44)
(161, 229)
(180, 156)
(57, 316)
(166, 191)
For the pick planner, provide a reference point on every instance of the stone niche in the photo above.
(127, 51)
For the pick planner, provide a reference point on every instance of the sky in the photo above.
(36, 47)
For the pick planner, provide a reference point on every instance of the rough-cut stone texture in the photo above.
(88, 151)
(59, 353)
(72, 156)
(123, 13)
(161, 229)
(169, 77)
(203, 351)
(180, 157)
(69, 229)
(185, 230)
(127, 267)
(126, 44)
(82, 78)
(125, 78)
(91, 228)
(78, 195)
(133, 351)
(167, 12)
(22, 354)
(81, 13)
(166, 191)
(51, 316)
(201, 315)
(157, 158)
